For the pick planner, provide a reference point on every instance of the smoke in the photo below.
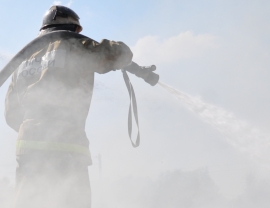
(191, 189)
(172, 189)
(57, 3)
(69, 3)
(240, 134)
(60, 3)
(6, 193)
(256, 194)
(176, 188)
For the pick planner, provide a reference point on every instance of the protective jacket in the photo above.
(50, 94)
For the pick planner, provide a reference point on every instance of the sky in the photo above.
(209, 147)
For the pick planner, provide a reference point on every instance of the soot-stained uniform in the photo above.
(47, 104)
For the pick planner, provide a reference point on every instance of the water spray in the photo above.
(238, 133)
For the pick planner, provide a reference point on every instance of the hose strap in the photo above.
(132, 108)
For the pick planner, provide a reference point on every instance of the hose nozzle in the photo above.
(144, 72)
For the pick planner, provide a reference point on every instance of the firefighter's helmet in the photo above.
(60, 15)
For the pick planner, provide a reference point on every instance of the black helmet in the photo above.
(60, 15)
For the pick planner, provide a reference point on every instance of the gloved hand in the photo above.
(113, 55)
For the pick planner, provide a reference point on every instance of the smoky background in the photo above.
(217, 51)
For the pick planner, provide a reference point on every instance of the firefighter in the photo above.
(47, 104)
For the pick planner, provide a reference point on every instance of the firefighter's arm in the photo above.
(109, 55)
(13, 113)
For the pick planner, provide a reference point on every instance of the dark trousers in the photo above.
(52, 180)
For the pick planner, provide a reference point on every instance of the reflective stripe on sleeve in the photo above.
(51, 146)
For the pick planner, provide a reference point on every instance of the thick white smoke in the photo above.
(6, 193)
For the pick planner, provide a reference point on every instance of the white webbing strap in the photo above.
(132, 107)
